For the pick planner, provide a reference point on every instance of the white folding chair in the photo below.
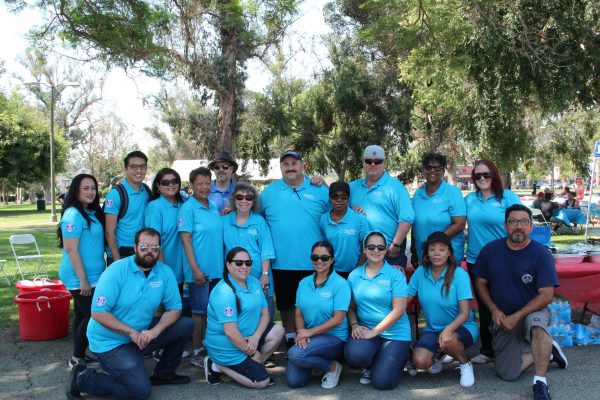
(27, 244)
(2, 262)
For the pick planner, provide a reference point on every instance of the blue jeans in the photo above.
(126, 376)
(317, 355)
(384, 357)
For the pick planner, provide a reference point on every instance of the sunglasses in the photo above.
(339, 197)
(435, 168)
(223, 167)
(483, 175)
(240, 263)
(167, 182)
(376, 161)
(248, 197)
(323, 258)
(144, 247)
(372, 247)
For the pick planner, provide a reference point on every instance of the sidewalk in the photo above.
(38, 371)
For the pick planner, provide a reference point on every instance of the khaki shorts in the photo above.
(510, 345)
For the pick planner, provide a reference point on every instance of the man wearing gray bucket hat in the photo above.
(223, 166)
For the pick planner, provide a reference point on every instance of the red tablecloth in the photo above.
(580, 283)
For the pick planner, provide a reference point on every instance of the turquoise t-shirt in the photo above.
(133, 220)
(124, 291)
(162, 216)
(206, 226)
(255, 237)
(90, 247)
(346, 237)
(434, 213)
(222, 309)
(319, 303)
(485, 220)
(440, 310)
(293, 218)
(373, 299)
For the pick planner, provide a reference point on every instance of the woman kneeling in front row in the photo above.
(239, 335)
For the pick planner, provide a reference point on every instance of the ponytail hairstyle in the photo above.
(229, 258)
(450, 266)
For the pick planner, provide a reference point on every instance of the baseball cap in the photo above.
(343, 186)
(374, 151)
(290, 153)
(438, 237)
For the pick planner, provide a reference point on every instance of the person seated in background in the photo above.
(571, 201)
(537, 202)
(548, 206)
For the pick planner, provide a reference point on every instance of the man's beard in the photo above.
(518, 237)
(145, 262)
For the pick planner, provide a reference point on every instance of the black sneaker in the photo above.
(541, 391)
(270, 363)
(289, 343)
(271, 381)
(212, 377)
(72, 388)
(86, 360)
(173, 380)
(558, 356)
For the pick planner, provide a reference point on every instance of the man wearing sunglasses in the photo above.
(223, 166)
(385, 202)
(516, 278)
(122, 328)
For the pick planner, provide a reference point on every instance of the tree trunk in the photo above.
(226, 117)
(5, 192)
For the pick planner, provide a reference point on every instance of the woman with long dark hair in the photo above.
(81, 236)
(444, 292)
(485, 221)
(240, 336)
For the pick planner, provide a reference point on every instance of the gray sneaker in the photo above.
(438, 364)
(365, 377)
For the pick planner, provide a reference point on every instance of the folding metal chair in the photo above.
(2, 262)
(27, 244)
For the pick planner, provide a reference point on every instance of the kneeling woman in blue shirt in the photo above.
(381, 335)
(239, 335)
(322, 301)
(444, 292)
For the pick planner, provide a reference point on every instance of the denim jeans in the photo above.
(318, 355)
(126, 376)
(385, 358)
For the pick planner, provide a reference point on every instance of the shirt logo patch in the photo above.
(326, 294)
(253, 232)
(155, 284)
(377, 193)
(70, 228)
(180, 222)
(101, 301)
(384, 282)
(527, 278)
(228, 311)
(437, 200)
(108, 203)
(308, 196)
(350, 231)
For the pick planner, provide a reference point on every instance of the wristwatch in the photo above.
(266, 273)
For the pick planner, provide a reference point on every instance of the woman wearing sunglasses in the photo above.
(322, 301)
(240, 336)
(245, 228)
(438, 207)
(485, 219)
(161, 214)
(381, 335)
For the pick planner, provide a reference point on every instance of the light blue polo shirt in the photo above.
(91, 247)
(161, 215)
(293, 218)
(485, 220)
(206, 226)
(373, 299)
(346, 237)
(440, 310)
(221, 197)
(386, 204)
(124, 291)
(434, 213)
(255, 237)
(133, 220)
(222, 309)
(319, 303)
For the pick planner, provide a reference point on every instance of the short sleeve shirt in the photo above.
(221, 197)
(91, 247)
(133, 220)
(346, 236)
(319, 303)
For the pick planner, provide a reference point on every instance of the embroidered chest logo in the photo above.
(155, 284)
(326, 294)
(252, 232)
(527, 278)
(308, 196)
(383, 282)
(350, 232)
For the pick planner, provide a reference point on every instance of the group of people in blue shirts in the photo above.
(331, 259)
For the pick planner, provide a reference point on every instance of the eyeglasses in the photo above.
(521, 222)
(144, 247)
(167, 182)
(224, 167)
(323, 258)
(435, 168)
(248, 197)
(376, 161)
(241, 263)
(372, 247)
(343, 197)
(136, 167)
(483, 175)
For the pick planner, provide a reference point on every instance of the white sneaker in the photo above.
(467, 378)
(481, 359)
(365, 377)
(437, 366)
(185, 354)
(330, 379)
(448, 359)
